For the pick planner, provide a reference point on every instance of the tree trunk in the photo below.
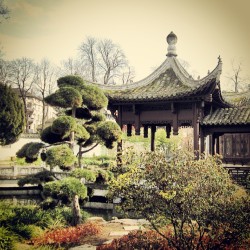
(80, 156)
(72, 134)
(26, 115)
(43, 117)
(77, 217)
(119, 154)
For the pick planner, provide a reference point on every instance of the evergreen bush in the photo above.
(11, 116)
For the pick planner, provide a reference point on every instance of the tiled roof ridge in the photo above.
(181, 73)
(227, 116)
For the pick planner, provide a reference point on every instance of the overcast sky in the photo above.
(54, 29)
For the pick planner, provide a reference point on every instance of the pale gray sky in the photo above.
(205, 29)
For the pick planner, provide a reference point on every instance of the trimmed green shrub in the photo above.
(49, 137)
(94, 98)
(109, 132)
(63, 126)
(81, 113)
(65, 97)
(83, 173)
(70, 81)
(61, 156)
(30, 151)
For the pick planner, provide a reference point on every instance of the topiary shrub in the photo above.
(49, 137)
(94, 98)
(70, 81)
(65, 97)
(109, 132)
(81, 113)
(63, 126)
(30, 151)
(38, 178)
(83, 173)
(61, 156)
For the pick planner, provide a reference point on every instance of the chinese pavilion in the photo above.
(170, 97)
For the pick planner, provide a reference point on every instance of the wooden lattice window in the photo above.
(235, 146)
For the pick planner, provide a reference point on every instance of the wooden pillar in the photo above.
(137, 120)
(217, 145)
(168, 130)
(211, 144)
(119, 118)
(129, 129)
(119, 143)
(145, 131)
(196, 128)
(153, 130)
(175, 119)
(137, 125)
(202, 141)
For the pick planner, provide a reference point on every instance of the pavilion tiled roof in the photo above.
(169, 82)
(228, 116)
(166, 87)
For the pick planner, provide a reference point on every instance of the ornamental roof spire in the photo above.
(171, 40)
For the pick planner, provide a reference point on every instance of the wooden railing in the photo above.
(241, 175)
(12, 172)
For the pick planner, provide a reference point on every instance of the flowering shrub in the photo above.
(69, 236)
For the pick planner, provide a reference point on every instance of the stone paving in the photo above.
(127, 225)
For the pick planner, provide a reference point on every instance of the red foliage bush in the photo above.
(138, 240)
(152, 240)
(69, 236)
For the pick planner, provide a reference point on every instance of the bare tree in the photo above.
(88, 54)
(5, 74)
(4, 10)
(72, 66)
(23, 77)
(128, 76)
(44, 84)
(103, 60)
(236, 76)
(112, 61)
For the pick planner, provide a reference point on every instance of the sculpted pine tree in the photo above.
(81, 122)
(11, 116)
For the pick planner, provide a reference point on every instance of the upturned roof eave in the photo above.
(192, 94)
(170, 62)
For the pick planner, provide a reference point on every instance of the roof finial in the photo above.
(171, 40)
(219, 59)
